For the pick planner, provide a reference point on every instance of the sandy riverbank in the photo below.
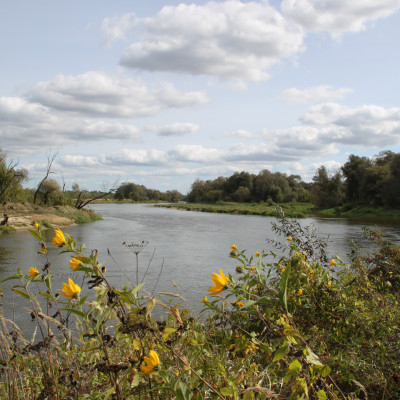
(22, 216)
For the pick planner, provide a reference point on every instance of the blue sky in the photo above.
(161, 93)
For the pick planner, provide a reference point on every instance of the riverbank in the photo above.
(21, 216)
(291, 210)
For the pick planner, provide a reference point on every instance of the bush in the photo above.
(300, 326)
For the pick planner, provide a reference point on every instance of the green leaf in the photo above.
(47, 295)
(281, 351)
(312, 358)
(16, 276)
(21, 293)
(227, 391)
(150, 305)
(283, 290)
(294, 369)
(36, 235)
(85, 260)
(182, 391)
(295, 366)
(325, 371)
(321, 395)
(74, 311)
(102, 317)
(248, 303)
(248, 395)
(47, 281)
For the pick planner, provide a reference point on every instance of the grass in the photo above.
(292, 210)
(7, 229)
(361, 212)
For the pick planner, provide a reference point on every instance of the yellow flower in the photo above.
(283, 270)
(299, 292)
(257, 254)
(204, 300)
(312, 272)
(36, 226)
(219, 281)
(32, 272)
(330, 284)
(74, 263)
(70, 290)
(332, 262)
(290, 239)
(253, 267)
(233, 247)
(151, 362)
(59, 239)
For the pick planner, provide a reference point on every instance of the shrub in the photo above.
(299, 326)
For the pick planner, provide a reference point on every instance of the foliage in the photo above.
(299, 326)
(140, 193)
(245, 187)
(49, 191)
(373, 181)
(11, 178)
(297, 210)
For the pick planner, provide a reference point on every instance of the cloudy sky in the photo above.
(162, 92)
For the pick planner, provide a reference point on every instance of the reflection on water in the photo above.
(183, 247)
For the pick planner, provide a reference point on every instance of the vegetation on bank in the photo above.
(297, 326)
(293, 210)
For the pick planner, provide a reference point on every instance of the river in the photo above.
(183, 247)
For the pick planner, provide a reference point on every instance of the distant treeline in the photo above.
(361, 181)
(131, 191)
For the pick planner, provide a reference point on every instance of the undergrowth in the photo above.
(296, 326)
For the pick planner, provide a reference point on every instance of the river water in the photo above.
(183, 247)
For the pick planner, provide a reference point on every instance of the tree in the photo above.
(49, 189)
(50, 160)
(354, 171)
(83, 202)
(11, 178)
(327, 191)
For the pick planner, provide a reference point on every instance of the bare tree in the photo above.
(80, 203)
(50, 160)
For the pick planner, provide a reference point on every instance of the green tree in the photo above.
(11, 178)
(327, 191)
(49, 190)
(354, 171)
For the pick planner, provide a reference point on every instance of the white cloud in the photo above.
(136, 157)
(337, 16)
(116, 27)
(366, 126)
(230, 40)
(98, 94)
(241, 134)
(28, 126)
(194, 153)
(317, 94)
(175, 129)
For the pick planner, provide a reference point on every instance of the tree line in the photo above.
(361, 181)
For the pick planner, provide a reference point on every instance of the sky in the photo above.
(162, 92)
